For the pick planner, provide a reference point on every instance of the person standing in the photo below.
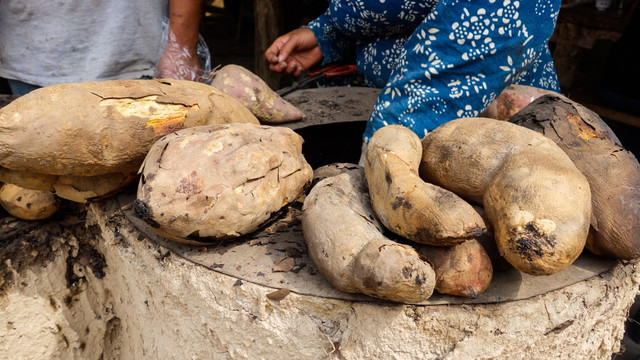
(47, 43)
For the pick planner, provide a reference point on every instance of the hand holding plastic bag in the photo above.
(183, 62)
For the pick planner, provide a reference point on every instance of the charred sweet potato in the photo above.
(612, 171)
(538, 202)
(217, 182)
(346, 243)
(97, 128)
(461, 270)
(255, 94)
(407, 205)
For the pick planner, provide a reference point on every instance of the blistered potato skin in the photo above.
(220, 182)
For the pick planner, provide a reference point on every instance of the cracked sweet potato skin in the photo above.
(407, 205)
(537, 201)
(87, 140)
(219, 182)
(345, 242)
(613, 172)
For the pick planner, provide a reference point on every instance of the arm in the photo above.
(179, 59)
(462, 56)
(319, 42)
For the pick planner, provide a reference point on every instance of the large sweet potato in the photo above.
(613, 172)
(346, 243)
(407, 205)
(217, 182)
(255, 94)
(534, 196)
(97, 128)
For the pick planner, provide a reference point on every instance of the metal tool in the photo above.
(327, 71)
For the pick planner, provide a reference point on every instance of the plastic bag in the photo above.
(203, 54)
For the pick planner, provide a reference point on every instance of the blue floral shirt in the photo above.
(439, 60)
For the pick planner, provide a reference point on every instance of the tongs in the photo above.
(326, 71)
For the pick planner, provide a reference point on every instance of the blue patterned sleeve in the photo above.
(333, 44)
(461, 56)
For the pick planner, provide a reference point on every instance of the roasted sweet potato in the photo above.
(346, 244)
(613, 172)
(534, 196)
(27, 204)
(461, 270)
(255, 94)
(513, 99)
(97, 128)
(404, 203)
(218, 182)
(488, 242)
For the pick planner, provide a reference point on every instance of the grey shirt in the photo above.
(57, 41)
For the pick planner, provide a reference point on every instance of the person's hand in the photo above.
(294, 52)
(179, 61)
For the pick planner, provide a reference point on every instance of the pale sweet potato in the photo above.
(27, 204)
(75, 188)
(210, 183)
(98, 128)
(534, 196)
(613, 172)
(404, 203)
(255, 94)
(346, 244)
(461, 270)
(513, 99)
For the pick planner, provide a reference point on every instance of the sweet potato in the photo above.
(218, 182)
(488, 242)
(534, 196)
(404, 203)
(27, 204)
(255, 94)
(75, 188)
(98, 128)
(513, 99)
(345, 242)
(461, 270)
(612, 172)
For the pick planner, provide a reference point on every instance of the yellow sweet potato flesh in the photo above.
(107, 127)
